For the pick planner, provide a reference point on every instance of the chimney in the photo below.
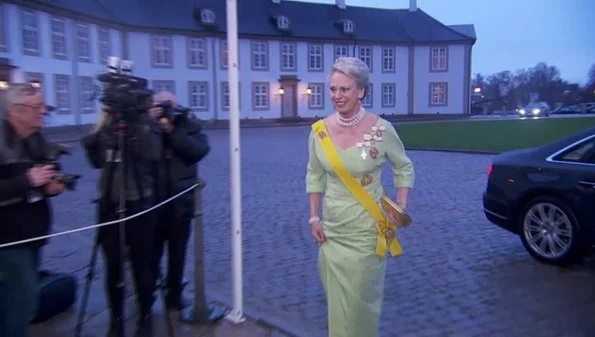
(412, 5)
(340, 4)
(276, 1)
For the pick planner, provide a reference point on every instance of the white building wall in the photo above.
(454, 77)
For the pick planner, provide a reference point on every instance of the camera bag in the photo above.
(56, 293)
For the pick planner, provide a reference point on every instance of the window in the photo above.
(82, 41)
(368, 98)
(225, 98)
(207, 16)
(365, 54)
(341, 51)
(288, 59)
(197, 52)
(30, 38)
(105, 45)
(581, 153)
(164, 85)
(3, 29)
(260, 96)
(161, 51)
(224, 54)
(86, 92)
(388, 59)
(198, 95)
(260, 55)
(316, 99)
(315, 57)
(438, 94)
(348, 27)
(58, 28)
(388, 95)
(282, 23)
(62, 89)
(439, 59)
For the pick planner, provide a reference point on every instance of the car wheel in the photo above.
(550, 232)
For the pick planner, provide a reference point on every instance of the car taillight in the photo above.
(490, 169)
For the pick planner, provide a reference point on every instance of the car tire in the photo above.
(570, 236)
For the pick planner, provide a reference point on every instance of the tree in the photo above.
(591, 78)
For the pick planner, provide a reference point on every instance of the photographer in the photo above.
(25, 212)
(184, 145)
(142, 148)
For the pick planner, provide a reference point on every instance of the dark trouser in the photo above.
(176, 233)
(139, 233)
(18, 291)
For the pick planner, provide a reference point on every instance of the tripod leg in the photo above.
(89, 279)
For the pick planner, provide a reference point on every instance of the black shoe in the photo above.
(116, 328)
(144, 327)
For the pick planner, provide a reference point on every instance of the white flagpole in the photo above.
(237, 313)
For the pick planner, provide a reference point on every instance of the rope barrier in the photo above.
(199, 184)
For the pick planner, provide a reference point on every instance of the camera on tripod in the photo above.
(52, 157)
(125, 96)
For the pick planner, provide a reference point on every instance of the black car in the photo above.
(546, 195)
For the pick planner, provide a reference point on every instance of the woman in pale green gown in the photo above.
(351, 270)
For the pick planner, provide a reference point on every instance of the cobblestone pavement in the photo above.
(460, 275)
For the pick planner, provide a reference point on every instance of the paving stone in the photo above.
(459, 276)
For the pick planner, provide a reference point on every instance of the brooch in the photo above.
(366, 180)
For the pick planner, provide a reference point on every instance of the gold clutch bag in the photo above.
(398, 214)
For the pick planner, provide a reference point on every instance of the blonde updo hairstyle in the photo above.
(356, 69)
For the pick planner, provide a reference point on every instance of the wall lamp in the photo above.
(3, 85)
(281, 91)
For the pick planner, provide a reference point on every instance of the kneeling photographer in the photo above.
(126, 127)
(184, 145)
(26, 182)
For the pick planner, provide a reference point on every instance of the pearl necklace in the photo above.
(349, 122)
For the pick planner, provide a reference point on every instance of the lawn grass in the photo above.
(489, 135)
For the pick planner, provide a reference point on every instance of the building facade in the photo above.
(286, 50)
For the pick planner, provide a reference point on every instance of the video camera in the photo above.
(52, 157)
(124, 95)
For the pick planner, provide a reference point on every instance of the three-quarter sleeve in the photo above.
(315, 175)
(402, 167)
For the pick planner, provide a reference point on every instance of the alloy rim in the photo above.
(548, 230)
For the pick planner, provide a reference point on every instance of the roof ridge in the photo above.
(446, 26)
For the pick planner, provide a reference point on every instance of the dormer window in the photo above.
(207, 16)
(282, 22)
(348, 27)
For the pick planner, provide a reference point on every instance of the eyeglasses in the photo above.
(35, 107)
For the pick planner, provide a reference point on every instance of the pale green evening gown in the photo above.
(351, 271)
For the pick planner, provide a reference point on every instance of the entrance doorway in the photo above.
(289, 99)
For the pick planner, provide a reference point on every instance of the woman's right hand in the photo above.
(317, 231)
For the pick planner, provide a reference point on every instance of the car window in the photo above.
(584, 153)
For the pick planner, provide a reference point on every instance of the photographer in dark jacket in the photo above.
(143, 146)
(25, 210)
(184, 145)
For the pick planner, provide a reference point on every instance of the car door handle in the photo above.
(587, 183)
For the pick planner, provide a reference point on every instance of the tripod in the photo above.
(122, 141)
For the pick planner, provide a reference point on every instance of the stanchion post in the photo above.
(200, 312)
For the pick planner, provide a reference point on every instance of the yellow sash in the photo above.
(386, 231)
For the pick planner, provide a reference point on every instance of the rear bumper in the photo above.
(498, 212)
